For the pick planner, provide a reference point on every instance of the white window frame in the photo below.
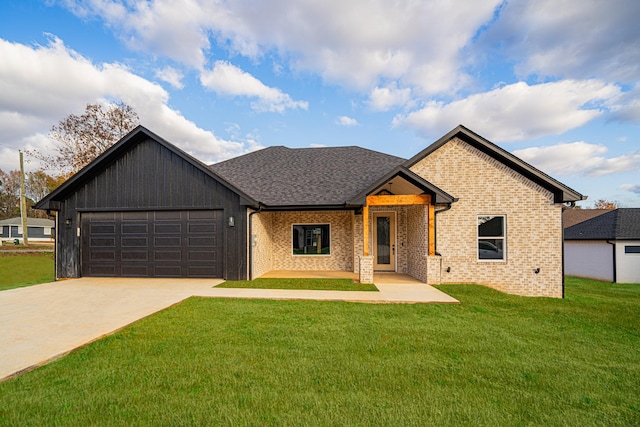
(304, 237)
(503, 238)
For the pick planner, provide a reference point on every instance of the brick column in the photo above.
(366, 269)
(434, 270)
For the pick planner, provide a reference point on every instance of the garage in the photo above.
(167, 243)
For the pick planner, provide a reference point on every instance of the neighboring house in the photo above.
(606, 247)
(573, 216)
(38, 229)
(461, 211)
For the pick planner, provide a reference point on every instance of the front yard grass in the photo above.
(306, 284)
(494, 359)
(19, 270)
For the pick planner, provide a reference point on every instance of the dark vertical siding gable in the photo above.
(149, 176)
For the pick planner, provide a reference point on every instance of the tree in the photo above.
(39, 184)
(9, 194)
(605, 204)
(80, 139)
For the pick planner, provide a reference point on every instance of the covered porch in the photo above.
(397, 233)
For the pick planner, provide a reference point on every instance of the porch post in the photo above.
(432, 228)
(365, 231)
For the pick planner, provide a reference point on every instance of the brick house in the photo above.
(461, 211)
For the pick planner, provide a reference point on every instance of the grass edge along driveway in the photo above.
(25, 269)
(495, 359)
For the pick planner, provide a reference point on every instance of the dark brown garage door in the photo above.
(152, 244)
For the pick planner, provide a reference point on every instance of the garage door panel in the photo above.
(135, 242)
(102, 229)
(175, 256)
(135, 270)
(169, 228)
(202, 228)
(135, 229)
(102, 255)
(104, 242)
(168, 215)
(140, 256)
(167, 242)
(102, 271)
(203, 272)
(152, 244)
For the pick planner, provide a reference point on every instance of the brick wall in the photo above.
(261, 243)
(417, 241)
(485, 186)
(342, 251)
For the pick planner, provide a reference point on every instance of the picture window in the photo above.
(311, 239)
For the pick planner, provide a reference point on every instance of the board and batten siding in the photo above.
(149, 176)
(591, 259)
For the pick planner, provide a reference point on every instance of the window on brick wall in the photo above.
(491, 237)
(311, 239)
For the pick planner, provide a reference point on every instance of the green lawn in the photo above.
(308, 284)
(26, 269)
(493, 360)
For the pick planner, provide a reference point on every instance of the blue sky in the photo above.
(556, 83)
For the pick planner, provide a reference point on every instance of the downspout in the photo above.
(435, 233)
(564, 208)
(251, 241)
(615, 267)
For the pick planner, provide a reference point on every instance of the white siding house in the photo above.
(605, 248)
(592, 259)
(38, 229)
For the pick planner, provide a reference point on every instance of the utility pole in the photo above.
(23, 204)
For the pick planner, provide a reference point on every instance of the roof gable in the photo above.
(561, 192)
(439, 196)
(619, 224)
(127, 143)
(306, 177)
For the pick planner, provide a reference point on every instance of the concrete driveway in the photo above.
(43, 322)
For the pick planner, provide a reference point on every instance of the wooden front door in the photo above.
(384, 241)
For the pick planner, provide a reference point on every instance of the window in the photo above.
(311, 239)
(491, 237)
(632, 249)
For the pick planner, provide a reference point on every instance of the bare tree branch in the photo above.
(80, 139)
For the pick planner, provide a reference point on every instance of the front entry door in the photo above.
(384, 241)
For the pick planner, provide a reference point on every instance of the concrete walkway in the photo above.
(43, 322)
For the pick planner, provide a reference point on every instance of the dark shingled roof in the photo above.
(619, 224)
(328, 176)
(572, 217)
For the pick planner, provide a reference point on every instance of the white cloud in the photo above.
(634, 188)
(515, 112)
(227, 79)
(578, 158)
(572, 39)
(172, 76)
(346, 121)
(385, 98)
(40, 85)
(359, 43)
